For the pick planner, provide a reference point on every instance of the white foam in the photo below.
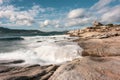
(46, 52)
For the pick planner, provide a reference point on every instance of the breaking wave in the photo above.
(46, 50)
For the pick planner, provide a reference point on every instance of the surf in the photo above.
(49, 50)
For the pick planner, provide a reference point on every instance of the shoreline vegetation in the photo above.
(100, 61)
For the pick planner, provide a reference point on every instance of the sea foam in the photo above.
(45, 50)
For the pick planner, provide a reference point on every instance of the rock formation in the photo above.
(31, 72)
(101, 31)
(101, 56)
(97, 24)
(100, 59)
(89, 68)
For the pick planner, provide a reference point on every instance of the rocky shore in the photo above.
(27, 72)
(101, 55)
(100, 61)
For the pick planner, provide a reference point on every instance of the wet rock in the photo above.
(47, 76)
(51, 68)
(11, 62)
(20, 78)
(31, 72)
(39, 41)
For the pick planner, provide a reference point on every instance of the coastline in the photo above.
(12, 68)
(101, 60)
(101, 57)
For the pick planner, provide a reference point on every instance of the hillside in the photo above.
(27, 32)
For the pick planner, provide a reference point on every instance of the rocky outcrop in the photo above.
(96, 31)
(101, 47)
(100, 59)
(31, 72)
(101, 55)
(89, 68)
(97, 24)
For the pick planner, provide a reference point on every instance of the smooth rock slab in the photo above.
(101, 47)
(89, 68)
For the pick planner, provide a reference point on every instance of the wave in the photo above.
(51, 50)
(45, 53)
(55, 38)
(10, 38)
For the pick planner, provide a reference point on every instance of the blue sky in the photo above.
(57, 15)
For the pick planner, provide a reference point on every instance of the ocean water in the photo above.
(43, 50)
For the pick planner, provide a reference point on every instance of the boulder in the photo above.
(97, 24)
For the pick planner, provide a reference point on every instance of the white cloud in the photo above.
(100, 11)
(16, 16)
(78, 17)
(112, 15)
(55, 23)
(35, 10)
(101, 4)
(76, 13)
(45, 23)
(1, 1)
(78, 22)
(4, 1)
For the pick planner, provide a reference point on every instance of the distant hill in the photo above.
(28, 32)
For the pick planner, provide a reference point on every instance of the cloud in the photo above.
(106, 13)
(4, 1)
(18, 17)
(78, 17)
(100, 11)
(55, 23)
(45, 23)
(112, 15)
(76, 13)
(21, 17)
(78, 22)
(1, 1)
(48, 17)
(15, 15)
(101, 4)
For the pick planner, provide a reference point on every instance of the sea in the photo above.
(39, 49)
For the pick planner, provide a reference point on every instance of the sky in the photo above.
(57, 15)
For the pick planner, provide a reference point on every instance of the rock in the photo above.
(51, 68)
(110, 25)
(89, 68)
(31, 72)
(101, 47)
(97, 27)
(97, 24)
(19, 78)
(101, 36)
(11, 62)
(47, 76)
